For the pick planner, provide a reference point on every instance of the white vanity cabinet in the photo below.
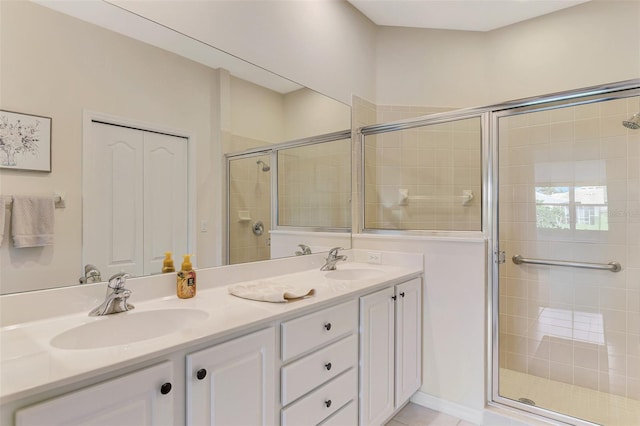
(390, 350)
(348, 360)
(145, 397)
(319, 379)
(233, 383)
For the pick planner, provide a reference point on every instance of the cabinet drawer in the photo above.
(347, 415)
(323, 402)
(313, 370)
(313, 330)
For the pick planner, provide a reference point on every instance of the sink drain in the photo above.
(527, 401)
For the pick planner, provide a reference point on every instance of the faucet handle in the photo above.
(117, 281)
(334, 251)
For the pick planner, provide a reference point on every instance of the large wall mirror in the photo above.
(104, 74)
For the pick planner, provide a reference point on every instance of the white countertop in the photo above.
(30, 364)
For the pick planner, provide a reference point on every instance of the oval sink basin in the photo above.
(353, 274)
(127, 327)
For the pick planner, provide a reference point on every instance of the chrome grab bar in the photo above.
(611, 266)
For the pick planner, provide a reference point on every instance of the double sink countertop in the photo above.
(46, 353)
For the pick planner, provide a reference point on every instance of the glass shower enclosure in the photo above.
(567, 297)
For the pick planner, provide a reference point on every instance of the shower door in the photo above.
(567, 326)
(249, 207)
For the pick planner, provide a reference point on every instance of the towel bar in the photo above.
(611, 266)
(58, 200)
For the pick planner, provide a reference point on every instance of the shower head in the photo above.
(265, 167)
(633, 122)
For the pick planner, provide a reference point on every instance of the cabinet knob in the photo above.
(165, 388)
(201, 374)
(327, 403)
(394, 297)
(328, 366)
(402, 294)
(327, 326)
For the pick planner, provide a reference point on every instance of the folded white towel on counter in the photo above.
(267, 291)
(32, 220)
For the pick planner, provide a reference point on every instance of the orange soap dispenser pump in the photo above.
(186, 279)
(167, 263)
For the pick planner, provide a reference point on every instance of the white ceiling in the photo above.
(468, 15)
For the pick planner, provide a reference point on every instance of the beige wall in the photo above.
(58, 66)
(290, 38)
(593, 43)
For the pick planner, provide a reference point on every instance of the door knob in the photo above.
(201, 374)
(165, 388)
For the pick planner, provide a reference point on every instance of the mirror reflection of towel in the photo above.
(32, 220)
(3, 211)
(267, 291)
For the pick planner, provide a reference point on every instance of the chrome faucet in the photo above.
(91, 274)
(332, 259)
(116, 298)
(304, 250)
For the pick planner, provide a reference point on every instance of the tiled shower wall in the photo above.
(571, 325)
(314, 185)
(437, 163)
(250, 196)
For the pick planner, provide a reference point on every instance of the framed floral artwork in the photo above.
(25, 142)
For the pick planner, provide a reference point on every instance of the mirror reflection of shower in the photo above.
(634, 122)
(265, 166)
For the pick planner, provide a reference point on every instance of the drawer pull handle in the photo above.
(402, 294)
(327, 403)
(327, 326)
(328, 366)
(201, 374)
(165, 388)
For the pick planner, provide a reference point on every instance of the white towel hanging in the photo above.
(32, 221)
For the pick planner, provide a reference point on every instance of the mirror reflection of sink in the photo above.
(129, 327)
(353, 274)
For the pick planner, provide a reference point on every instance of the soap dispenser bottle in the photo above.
(167, 264)
(186, 279)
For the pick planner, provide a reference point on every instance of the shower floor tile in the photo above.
(576, 401)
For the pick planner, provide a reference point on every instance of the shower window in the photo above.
(427, 177)
(583, 208)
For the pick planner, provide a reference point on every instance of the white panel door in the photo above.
(233, 383)
(408, 339)
(166, 199)
(113, 200)
(142, 398)
(377, 357)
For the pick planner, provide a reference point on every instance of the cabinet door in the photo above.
(408, 339)
(233, 383)
(377, 357)
(135, 399)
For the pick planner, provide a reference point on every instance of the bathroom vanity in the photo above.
(351, 354)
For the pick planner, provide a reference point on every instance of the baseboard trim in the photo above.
(450, 408)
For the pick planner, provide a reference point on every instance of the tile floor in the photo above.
(416, 415)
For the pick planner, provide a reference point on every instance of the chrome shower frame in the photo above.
(272, 152)
(584, 96)
(490, 214)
